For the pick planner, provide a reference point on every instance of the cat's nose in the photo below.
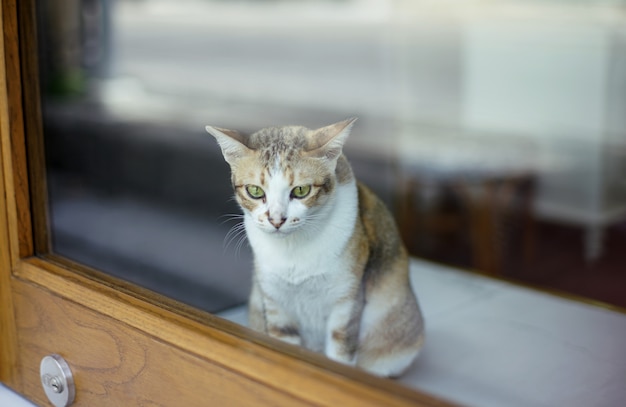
(278, 222)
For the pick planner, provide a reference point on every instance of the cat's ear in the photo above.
(231, 142)
(328, 141)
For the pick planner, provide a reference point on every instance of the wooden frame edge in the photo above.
(34, 147)
(299, 373)
(9, 371)
(14, 155)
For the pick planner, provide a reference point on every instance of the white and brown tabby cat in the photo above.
(331, 272)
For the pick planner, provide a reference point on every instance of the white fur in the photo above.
(311, 254)
(392, 364)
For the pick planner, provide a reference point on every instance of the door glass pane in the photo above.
(493, 130)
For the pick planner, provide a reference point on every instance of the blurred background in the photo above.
(494, 130)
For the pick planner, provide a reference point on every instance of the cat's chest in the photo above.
(306, 294)
(312, 270)
(304, 271)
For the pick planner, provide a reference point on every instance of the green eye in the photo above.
(255, 191)
(300, 191)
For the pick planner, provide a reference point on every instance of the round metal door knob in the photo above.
(57, 380)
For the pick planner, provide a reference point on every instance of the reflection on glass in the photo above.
(495, 132)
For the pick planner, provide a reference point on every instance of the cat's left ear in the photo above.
(328, 141)
(231, 142)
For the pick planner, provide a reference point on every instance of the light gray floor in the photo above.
(490, 343)
(8, 398)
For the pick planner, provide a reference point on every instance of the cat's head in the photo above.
(285, 177)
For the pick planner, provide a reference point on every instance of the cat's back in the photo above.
(386, 251)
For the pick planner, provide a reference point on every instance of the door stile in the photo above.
(9, 370)
(15, 168)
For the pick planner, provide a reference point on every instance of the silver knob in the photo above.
(57, 380)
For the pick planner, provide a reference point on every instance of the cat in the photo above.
(330, 270)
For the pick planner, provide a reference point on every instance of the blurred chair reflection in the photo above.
(489, 218)
(467, 201)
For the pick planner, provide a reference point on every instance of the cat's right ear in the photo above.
(328, 141)
(231, 142)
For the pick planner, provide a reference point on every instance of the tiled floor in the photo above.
(490, 343)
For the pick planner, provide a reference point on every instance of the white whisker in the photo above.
(236, 233)
(243, 239)
(230, 217)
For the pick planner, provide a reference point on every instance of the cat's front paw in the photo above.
(350, 361)
(286, 334)
(339, 354)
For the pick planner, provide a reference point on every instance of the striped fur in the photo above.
(331, 272)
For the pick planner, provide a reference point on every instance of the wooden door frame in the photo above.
(25, 260)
